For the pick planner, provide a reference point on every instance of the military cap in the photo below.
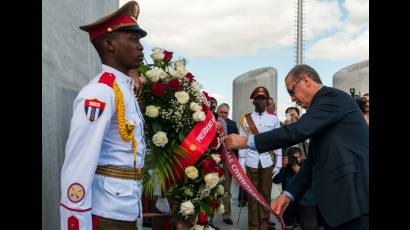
(124, 19)
(259, 91)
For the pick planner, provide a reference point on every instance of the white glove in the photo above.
(163, 205)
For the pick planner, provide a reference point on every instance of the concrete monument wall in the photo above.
(245, 83)
(69, 61)
(353, 76)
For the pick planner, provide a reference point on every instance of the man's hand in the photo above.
(296, 167)
(280, 204)
(234, 141)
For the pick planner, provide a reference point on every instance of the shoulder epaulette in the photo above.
(242, 122)
(107, 78)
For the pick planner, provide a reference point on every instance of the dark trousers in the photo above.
(103, 223)
(359, 223)
(290, 216)
(261, 178)
(242, 196)
(308, 217)
(227, 199)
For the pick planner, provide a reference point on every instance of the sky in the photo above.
(224, 39)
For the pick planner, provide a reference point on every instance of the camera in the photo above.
(292, 160)
(359, 100)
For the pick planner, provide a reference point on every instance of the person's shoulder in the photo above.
(271, 116)
(101, 85)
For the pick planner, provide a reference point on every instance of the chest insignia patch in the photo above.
(93, 109)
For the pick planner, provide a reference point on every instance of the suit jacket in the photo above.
(338, 163)
(232, 128)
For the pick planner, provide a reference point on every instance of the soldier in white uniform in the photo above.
(259, 166)
(101, 176)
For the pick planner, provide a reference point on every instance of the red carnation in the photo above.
(158, 89)
(190, 77)
(202, 219)
(167, 56)
(214, 203)
(173, 85)
(208, 165)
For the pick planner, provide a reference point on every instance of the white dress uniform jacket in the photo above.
(251, 158)
(94, 140)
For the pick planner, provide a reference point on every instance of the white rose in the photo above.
(163, 75)
(199, 116)
(191, 172)
(152, 111)
(195, 107)
(153, 75)
(197, 86)
(160, 139)
(187, 208)
(157, 54)
(182, 97)
(198, 227)
(216, 158)
(211, 180)
(143, 80)
(180, 73)
(221, 209)
(220, 190)
(172, 72)
(180, 65)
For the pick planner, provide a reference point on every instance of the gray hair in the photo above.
(301, 69)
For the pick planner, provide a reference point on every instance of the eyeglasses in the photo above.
(292, 90)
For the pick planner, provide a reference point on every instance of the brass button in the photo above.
(109, 29)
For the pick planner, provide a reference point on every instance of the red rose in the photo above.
(222, 156)
(190, 77)
(220, 171)
(202, 219)
(214, 143)
(208, 165)
(167, 56)
(158, 89)
(173, 85)
(214, 203)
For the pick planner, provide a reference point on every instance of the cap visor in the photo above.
(133, 28)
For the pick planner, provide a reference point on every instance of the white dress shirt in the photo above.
(251, 158)
(98, 142)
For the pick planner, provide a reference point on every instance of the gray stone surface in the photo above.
(240, 222)
(245, 83)
(69, 61)
(353, 76)
(57, 111)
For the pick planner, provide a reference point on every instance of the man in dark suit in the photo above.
(223, 112)
(338, 164)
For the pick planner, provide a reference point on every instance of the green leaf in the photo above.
(181, 136)
(188, 192)
(156, 126)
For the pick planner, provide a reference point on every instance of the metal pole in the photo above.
(299, 39)
(299, 35)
